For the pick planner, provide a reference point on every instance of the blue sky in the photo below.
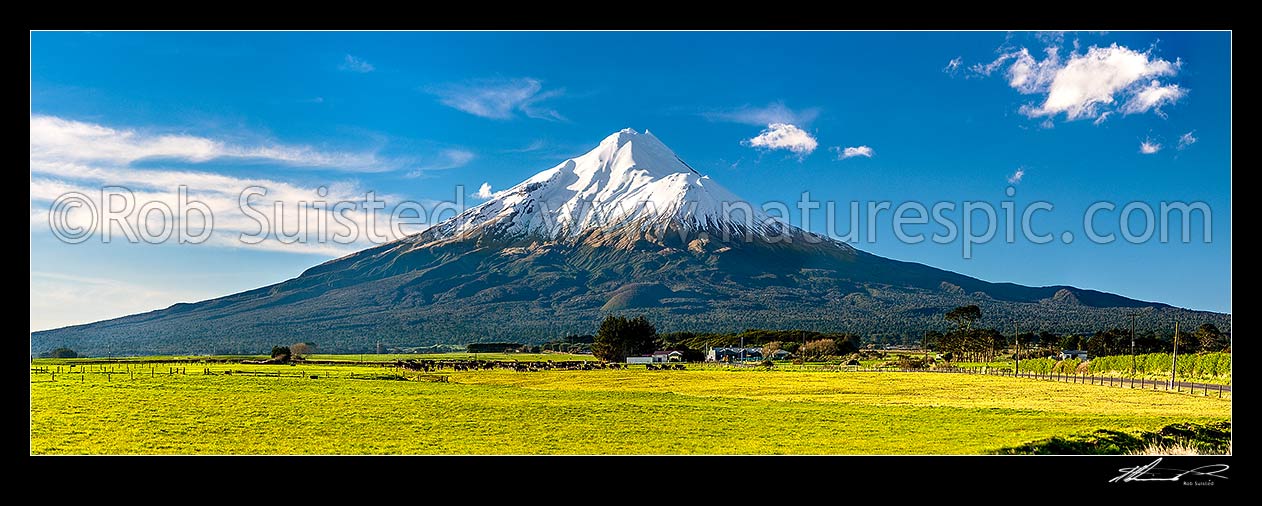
(929, 117)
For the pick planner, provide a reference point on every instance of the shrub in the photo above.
(815, 351)
(61, 352)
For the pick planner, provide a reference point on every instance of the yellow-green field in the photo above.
(357, 410)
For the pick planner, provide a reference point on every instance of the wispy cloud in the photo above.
(220, 193)
(54, 138)
(446, 159)
(1089, 85)
(1016, 177)
(59, 299)
(484, 191)
(785, 136)
(853, 151)
(500, 98)
(1149, 147)
(775, 112)
(353, 64)
(953, 66)
(534, 145)
(1152, 97)
(71, 156)
(1186, 140)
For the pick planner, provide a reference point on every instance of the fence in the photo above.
(1083, 378)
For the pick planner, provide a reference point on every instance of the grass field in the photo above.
(572, 412)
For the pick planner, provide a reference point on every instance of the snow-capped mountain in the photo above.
(626, 228)
(631, 183)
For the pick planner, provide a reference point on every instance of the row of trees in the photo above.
(620, 337)
(969, 342)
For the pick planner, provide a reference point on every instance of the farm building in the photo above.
(668, 356)
(733, 354)
(643, 359)
(1071, 354)
(781, 355)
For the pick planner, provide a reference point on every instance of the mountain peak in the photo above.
(628, 181)
(628, 150)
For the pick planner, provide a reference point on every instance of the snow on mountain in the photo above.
(629, 181)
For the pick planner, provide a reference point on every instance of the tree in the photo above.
(1208, 336)
(281, 351)
(620, 337)
(1108, 342)
(770, 348)
(815, 351)
(996, 340)
(61, 352)
(301, 349)
(1048, 340)
(932, 340)
(847, 343)
(964, 316)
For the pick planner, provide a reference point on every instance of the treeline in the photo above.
(970, 342)
(493, 347)
(694, 344)
(1198, 365)
(573, 343)
(1117, 341)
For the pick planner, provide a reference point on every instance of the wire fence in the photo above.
(1208, 389)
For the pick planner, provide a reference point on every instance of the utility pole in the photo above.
(1016, 338)
(1174, 359)
(1133, 315)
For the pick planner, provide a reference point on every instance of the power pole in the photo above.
(1133, 315)
(1174, 359)
(1016, 338)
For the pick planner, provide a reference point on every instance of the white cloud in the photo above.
(1016, 177)
(853, 151)
(953, 66)
(58, 300)
(353, 64)
(1186, 140)
(447, 159)
(484, 191)
(1152, 97)
(221, 194)
(785, 136)
(1149, 147)
(62, 139)
(1103, 116)
(1089, 85)
(775, 112)
(69, 156)
(500, 98)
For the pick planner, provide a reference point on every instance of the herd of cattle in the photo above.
(519, 366)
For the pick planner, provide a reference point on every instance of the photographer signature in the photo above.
(1151, 472)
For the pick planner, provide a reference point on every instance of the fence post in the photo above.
(1220, 391)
